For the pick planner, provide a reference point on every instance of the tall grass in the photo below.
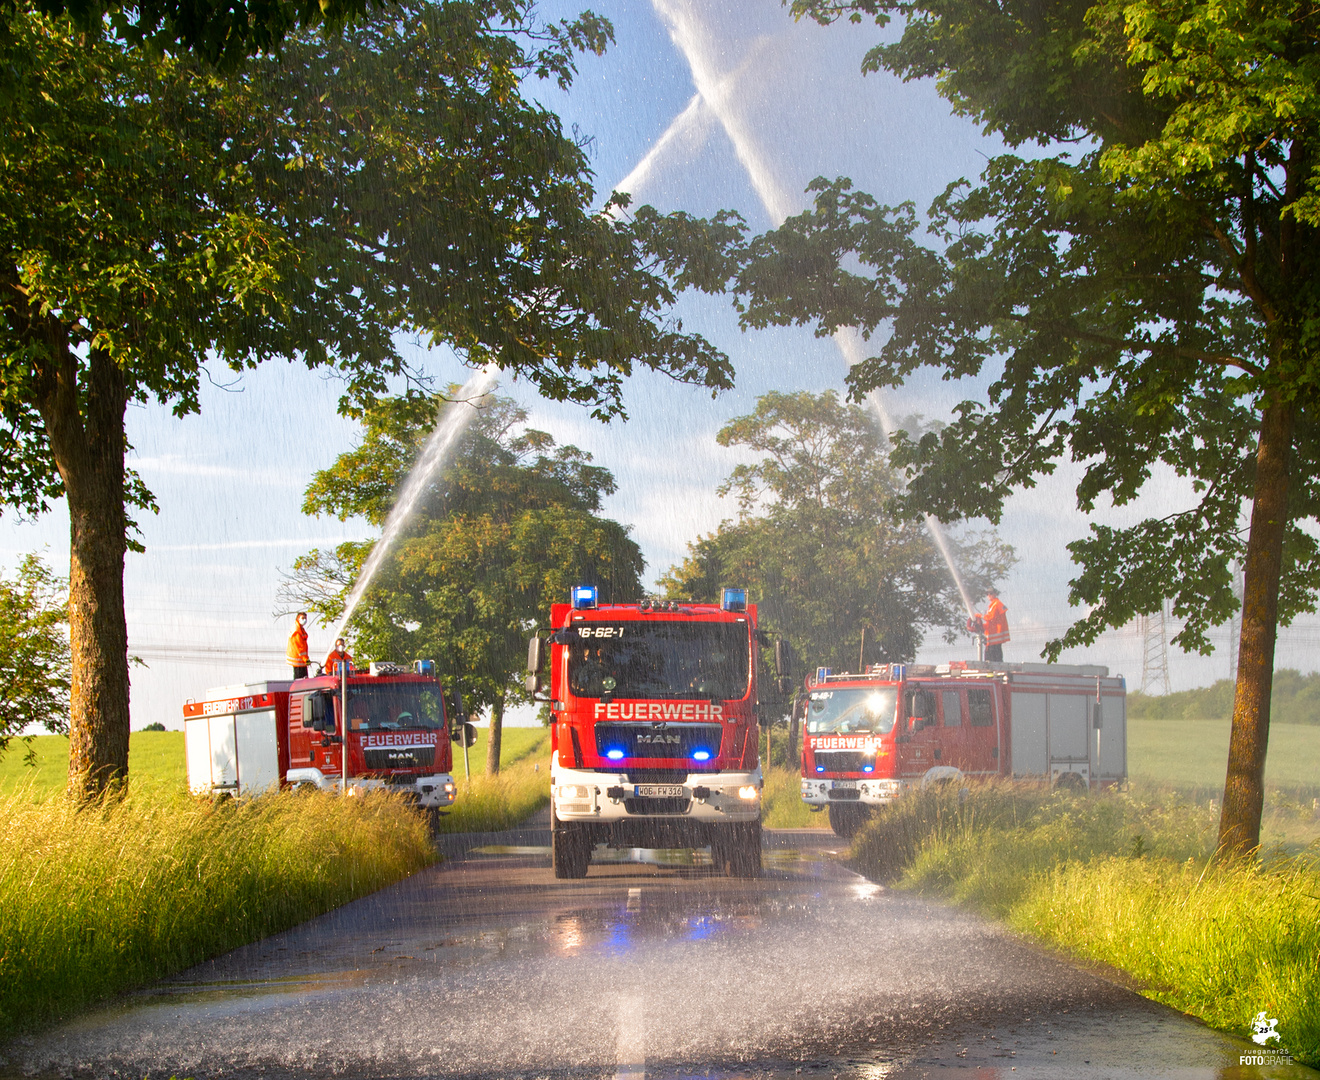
(97, 901)
(781, 801)
(492, 803)
(1126, 880)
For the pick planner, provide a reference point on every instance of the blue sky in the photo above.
(728, 105)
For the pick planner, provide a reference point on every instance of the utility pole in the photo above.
(1154, 653)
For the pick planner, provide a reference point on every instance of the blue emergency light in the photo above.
(701, 755)
(823, 673)
(615, 755)
(820, 768)
(734, 600)
(584, 596)
(868, 768)
(424, 667)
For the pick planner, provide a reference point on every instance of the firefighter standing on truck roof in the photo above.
(296, 653)
(995, 626)
(337, 655)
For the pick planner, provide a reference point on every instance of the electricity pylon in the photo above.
(1154, 653)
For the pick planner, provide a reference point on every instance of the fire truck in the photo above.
(250, 738)
(868, 737)
(654, 727)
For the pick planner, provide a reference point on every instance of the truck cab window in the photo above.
(980, 709)
(843, 712)
(660, 660)
(951, 705)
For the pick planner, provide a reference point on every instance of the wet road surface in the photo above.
(653, 966)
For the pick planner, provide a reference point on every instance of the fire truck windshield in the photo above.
(843, 711)
(394, 708)
(705, 660)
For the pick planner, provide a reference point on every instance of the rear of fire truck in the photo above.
(654, 728)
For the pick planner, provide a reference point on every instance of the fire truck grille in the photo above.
(850, 761)
(657, 806)
(696, 742)
(400, 757)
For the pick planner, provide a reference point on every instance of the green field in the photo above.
(158, 756)
(1194, 753)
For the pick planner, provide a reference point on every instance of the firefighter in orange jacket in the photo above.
(296, 653)
(995, 623)
(337, 655)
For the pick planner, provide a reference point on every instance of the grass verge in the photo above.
(1125, 880)
(490, 803)
(98, 901)
(781, 802)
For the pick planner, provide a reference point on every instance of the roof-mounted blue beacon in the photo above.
(584, 596)
(734, 600)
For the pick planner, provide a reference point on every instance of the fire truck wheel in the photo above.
(570, 850)
(847, 820)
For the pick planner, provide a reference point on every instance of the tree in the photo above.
(1140, 295)
(816, 542)
(505, 530)
(34, 653)
(153, 212)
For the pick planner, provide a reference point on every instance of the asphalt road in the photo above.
(653, 966)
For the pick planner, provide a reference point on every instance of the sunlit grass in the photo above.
(782, 806)
(1126, 879)
(97, 901)
(490, 803)
(155, 756)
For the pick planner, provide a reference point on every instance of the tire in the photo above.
(570, 849)
(736, 850)
(847, 820)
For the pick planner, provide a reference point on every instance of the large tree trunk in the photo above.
(85, 426)
(1244, 789)
(496, 730)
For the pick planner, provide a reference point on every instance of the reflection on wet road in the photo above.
(652, 966)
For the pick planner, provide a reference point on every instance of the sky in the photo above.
(700, 105)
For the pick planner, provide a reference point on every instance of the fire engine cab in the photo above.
(654, 724)
(868, 737)
(249, 738)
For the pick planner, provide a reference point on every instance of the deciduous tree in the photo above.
(1139, 293)
(309, 206)
(504, 531)
(34, 652)
(817, 544)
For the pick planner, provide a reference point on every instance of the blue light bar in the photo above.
(734, 600)
(614, 755)
(822, 673)
(700, 755)
(584, 596)
(424, 667)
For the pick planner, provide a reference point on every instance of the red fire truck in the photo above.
(247, 739)
(654, 728)
(866, 738)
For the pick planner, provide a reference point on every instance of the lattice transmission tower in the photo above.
(1154, 653)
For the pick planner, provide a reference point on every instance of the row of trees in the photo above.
(1139, 292)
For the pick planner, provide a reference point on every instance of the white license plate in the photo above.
(659, 791)
(845, 783)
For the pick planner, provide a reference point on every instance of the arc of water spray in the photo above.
(454, 418)
(716, 94)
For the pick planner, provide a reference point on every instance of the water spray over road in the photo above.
(719, 97)
(455, 417)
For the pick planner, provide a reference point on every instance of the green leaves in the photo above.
(34, 651)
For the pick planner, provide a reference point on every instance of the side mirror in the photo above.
(784, 685)
(464, 735)
(783, 659)
(535, 655)
(1097, 715)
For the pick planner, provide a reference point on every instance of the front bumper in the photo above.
(580, 795)
(821, 792)
(431, 792)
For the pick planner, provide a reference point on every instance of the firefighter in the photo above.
(995, 626)
(337, 655)
(296, 653)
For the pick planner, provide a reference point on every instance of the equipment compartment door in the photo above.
(1069, 725)
(197, 750)
(1028, 735)
(224, 753)
(258, 752)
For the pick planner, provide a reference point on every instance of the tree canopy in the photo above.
(816, 542)
(309, 206)
(505, 530)
(34, 652)
(1139, 295)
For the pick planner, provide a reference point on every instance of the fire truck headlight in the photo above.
(749, 792)
(573, 791)
(449, 789)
